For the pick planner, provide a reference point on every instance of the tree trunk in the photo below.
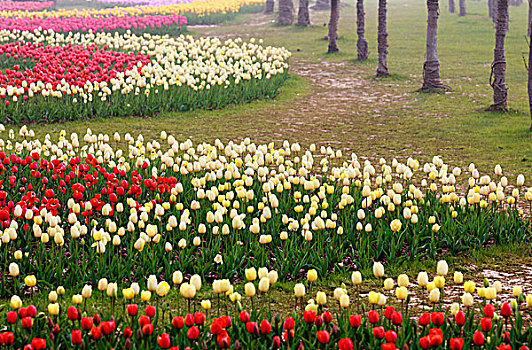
(268, 8)
(333, 26)
(431, 67)
(286, 12)
(462, 8)
(494, 11)
(362, 44)
(530, 79)
(490, 8)
(303, 16)
(322, 5)
(498, 67)
(451, 6)
(529, 18)
(382, 41)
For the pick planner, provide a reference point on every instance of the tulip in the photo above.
(299, 290)
(467, 300)
(53, 309)
(249, 289)
(162, 289)
(86, 292)
(388, 284)
(378, 270)
(321, 298)
(15, 302)
(469, 287)
(401, 293)
(356, 278)
(264, 285)
(517, 291)
(177, 278)
(206, 304)
(434, 296)
(402, 280)
(251, 274)
(145, 295)
(422, 279)
(195, 280)
(458, 277)
(30, 281)
(442, 268)
(344, 301)
(439, 282)
(152, 283)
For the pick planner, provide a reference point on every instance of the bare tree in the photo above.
(322, 5)
(333, 26)
(362, 44)
(270, 4)
(382, 41)
(498, 67)
(286, 12)
(431, 67)
(529, 17)
(462, 8)
(303, 16)
(530, 78)
(451, 6)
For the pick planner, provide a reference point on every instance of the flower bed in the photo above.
(335, 323)
(214, 210)
(25, 5)
(150, 74)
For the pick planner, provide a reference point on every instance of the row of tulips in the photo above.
(376, 324)
(156, 24)
(99, 211)
(29, 6)
(197, 12)
(57, 77)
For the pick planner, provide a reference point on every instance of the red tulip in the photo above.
(355, 321)
(163, 340)
(38, 344)
(323, 336)
(309, 316)
(327, 317)
(345, 344)
(193, 333)
(32, 311)
(244, 317)
(318, 321)
(506, 310)
(504, 347)
(456, 343)
(144, 320)
(11, 317)
(76, 337)
(388, 312)
(276, 342)
(147, 329)
(390, 336)
(132, 310)
(224, 341)
(150, 311)
(216, 327)
(178, 322)
(289, 323)
(108, 327)
(459, 318)
(199, 318)
(424, 342)
(26, 322)
(252, 328)
(424, 319)
(478, 338)
(486, 324)
(489, 310)
(265, 327)
(86, 323)
(226, 321)
(72, 313)
(388, 346)
(127, 333)
(96, 333)
(378, 332)
(373, 317)
(397, 318)
(437, 318)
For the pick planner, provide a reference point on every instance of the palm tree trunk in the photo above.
(286, 12)
(462, 8)
(431, 67)
(498, 67)
(333, 26)
(303, 16)
(269, 6)
(362, 44)
(382, 41)
(322, 5)
(451, 6)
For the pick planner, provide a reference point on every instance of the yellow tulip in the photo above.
(401, 293)
(145, 295)
(15, 302)
(53, 309)
(299, 290)
(163, 288)
(312, 275)
(30, 281)
(249, 289)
